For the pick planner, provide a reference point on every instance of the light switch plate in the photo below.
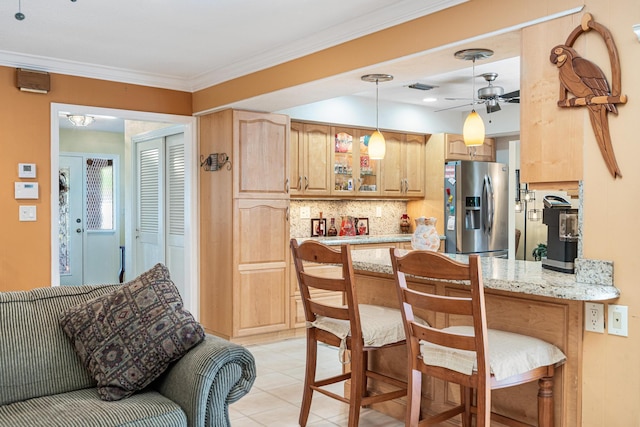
(27, 213)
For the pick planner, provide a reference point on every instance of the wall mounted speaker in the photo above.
(33, 80)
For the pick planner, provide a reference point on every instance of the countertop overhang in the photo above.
(526, 277)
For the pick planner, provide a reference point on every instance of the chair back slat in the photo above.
(323, 283)
(319, 309)
(440, 267)
(450, 305)
(446, 339)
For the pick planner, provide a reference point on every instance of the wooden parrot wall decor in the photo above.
(587, 83)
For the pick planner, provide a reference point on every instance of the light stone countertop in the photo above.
(526, 277)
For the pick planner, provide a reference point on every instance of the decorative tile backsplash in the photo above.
(388, 223)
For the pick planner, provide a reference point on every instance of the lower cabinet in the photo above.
(262, 267)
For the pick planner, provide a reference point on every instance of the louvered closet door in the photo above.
(150, 204)
(174, 250)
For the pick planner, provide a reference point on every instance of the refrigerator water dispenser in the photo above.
(472, 213)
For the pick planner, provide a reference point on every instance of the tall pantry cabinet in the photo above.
(244, 218)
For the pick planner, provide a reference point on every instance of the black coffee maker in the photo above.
(562, 234)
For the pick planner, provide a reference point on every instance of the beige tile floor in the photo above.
(275, 397)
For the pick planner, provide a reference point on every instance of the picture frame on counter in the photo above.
(363, 227)
(318, 227)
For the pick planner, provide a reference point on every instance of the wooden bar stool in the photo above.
(473, 356)
(356, 328)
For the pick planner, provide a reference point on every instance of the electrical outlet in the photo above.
(618, 320)
(305, 212)
(594, 317)
(378, 211)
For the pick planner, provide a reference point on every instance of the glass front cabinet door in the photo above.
(355, 174)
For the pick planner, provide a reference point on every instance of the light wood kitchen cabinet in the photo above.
(244, 228)
(456, 150)
(354, 173)
(551, 138)
(403, 165)
(260, 155)
(261, 256)
(310, 159)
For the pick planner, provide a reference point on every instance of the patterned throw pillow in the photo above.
(128, 338)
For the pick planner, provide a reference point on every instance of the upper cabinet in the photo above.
(333, 161)
(310, 159)
(403, 165)
(551, 138)
(455, 149)
(354, 172)
(260, 170)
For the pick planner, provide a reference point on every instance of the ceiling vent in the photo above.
(422, 86)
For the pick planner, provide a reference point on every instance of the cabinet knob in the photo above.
(306, 183)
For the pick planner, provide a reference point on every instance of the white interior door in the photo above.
(160, 230)
(150, 204)
(70, 224)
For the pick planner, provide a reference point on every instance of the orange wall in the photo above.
(25, 255)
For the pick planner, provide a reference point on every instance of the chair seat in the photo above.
(509, 353)
(380, 325)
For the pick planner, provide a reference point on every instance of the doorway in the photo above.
(190, 203)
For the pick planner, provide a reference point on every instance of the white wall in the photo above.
(361, 111)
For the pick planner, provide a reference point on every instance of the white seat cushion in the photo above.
(380, 325)
(509, 353)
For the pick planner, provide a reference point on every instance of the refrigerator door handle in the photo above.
(488, 203)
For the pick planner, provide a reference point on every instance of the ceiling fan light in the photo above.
(377, 146)
(473, 130)
(80, 120)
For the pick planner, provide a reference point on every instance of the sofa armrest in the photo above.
(207, 379)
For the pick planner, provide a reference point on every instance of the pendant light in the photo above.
(377, 145)
(473, 129)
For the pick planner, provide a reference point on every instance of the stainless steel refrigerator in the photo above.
(476, 208)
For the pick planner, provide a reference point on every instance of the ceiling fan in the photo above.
(490, 95)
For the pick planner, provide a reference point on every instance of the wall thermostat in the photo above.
(26, 170)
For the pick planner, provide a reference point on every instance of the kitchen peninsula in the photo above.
(520, 297)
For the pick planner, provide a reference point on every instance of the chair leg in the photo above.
(465, 399)
(414, 397)
(545, 402)
(357, 387)
(309, 379)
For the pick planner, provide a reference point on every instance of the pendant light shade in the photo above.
(377, 145)
(473, 130)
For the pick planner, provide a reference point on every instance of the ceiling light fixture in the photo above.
(377, 145)
(20, 16)
(80, 120)
(473, 129)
